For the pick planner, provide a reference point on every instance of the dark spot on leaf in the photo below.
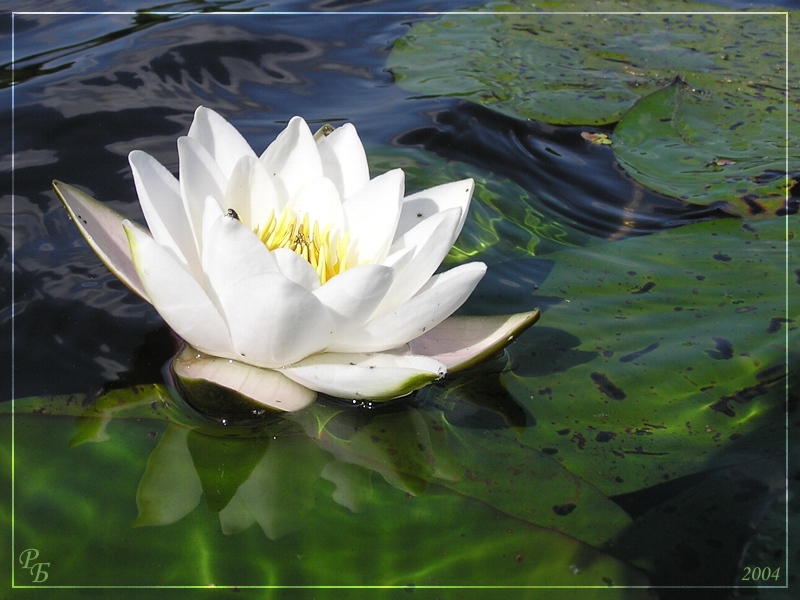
(754, 207)
(645, 288)
(743, 396)
(776, 322)
(604, 384)
(722, 257)
(771, 374)
(724, 349)
(605, 436)
(634, 355)
(563, 510)
(745, 309)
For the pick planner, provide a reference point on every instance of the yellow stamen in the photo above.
(325, 252)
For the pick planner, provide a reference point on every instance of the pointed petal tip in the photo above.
(461, 341)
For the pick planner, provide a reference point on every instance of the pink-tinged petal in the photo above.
(264, 386)
(372, 215)
(102, 229)
(221, 139)
(252, 193)
(436, 301)
(365, 376)
(160, 198)
(296, 268)
(318, 199)
(170, 488)
(352, 296)
(180, 300)
(200, 177)
(430, 241)
(293, 156)
(343, 160)
(460, 342)
(421, 205)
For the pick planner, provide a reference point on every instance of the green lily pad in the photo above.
(573, 67)
(669, 143)
(663, 356)
(724, 144)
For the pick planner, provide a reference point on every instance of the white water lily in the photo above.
(293, 272)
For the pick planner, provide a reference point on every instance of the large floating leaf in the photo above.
(574, 67)
(663, 356)
(672, 142)
(727, 143)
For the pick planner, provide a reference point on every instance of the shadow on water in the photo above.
(573, 179)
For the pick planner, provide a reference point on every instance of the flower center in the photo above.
(323, 249)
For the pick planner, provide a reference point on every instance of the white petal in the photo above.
(200, 177)
(177, 296)
(372, 215)
(273, 321)
(319, 199)
(343, 160)
(437, 300)
(265, 386)
(221, 139)
(460, 342)
(102, 229)
(296, 268)
(352, 296)
(233, 252)
(430, 240)
(211, 214)
(365, 376)
(160, 198)
(421, 205)
(293, 156)
(252, 193)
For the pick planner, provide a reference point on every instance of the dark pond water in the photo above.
(89, 88)
(128, 82)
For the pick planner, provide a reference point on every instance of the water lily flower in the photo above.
(294, 272)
